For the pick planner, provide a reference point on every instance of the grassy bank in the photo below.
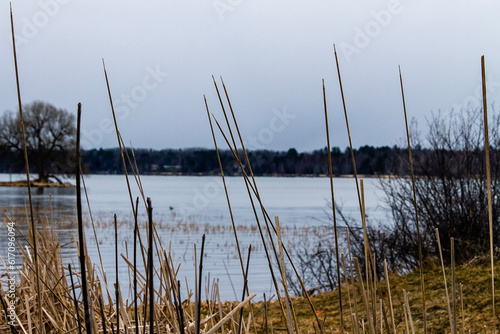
(474, 277)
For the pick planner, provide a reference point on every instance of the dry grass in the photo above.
(474, 276)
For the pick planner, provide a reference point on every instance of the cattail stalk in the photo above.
(81, 235)
(26, 165)
(256, 192)
(136, 232)
(117, 289)
(198, 301)
(150, 266)
(488, 183)
(330, 172)
(419, 238)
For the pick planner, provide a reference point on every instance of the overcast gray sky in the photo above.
(160, 56)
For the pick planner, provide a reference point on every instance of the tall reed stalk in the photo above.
(330, 173)
(419, 238)
(253, 189)
(488, 183)
(117, 288)
(81, 235)
(118, 137)
(41, 325)
(238, 248)
(150, 267)
(198, 300)
(136, 292)
(366, 246)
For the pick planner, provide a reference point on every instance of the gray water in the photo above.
(186, 207)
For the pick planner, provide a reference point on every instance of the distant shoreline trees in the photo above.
(199, 161)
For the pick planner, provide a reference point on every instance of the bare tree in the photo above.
(50, 135)
(451, 188)
(451, 196)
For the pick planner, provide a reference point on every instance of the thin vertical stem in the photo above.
(444, 279)
(136, 231)
(346, 278)
(117, 288)
(462, 306)
(390, 297)
(240, 257)
(281, 264)
(419, 239)
(408, 311)
(333, 210)
(381, 318)
(488, 182)
(348, 129)
(180, 310)
(245, 284)
(150, 266)
(265, 313)
(372, 321)
(365, 298)
(118, 137)
(354, 297)
(26, 165)
(267, 219)
(75, 300)
(200, 273)
(81, 236)
(453, 287)
(103, 317)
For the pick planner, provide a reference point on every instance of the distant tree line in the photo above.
(370, 161)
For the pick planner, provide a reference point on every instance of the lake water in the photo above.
(186, 207)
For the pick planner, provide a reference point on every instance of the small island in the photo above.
(36, 183)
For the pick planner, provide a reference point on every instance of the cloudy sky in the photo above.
(160, 56)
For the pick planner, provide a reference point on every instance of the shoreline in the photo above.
(36, 184)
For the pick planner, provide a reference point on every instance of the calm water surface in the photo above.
(186, 207)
